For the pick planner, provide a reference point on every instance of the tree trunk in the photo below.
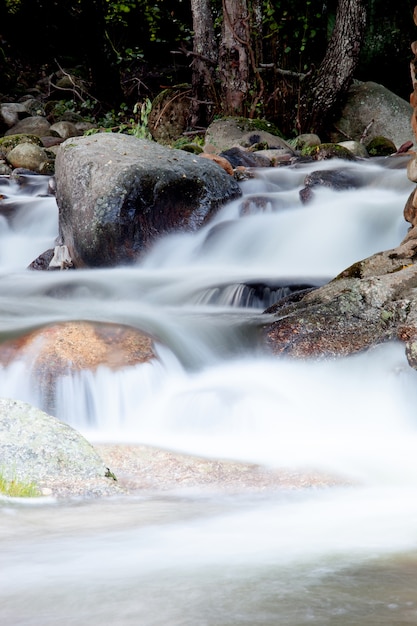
(233, 57)
(325, 91)
(204, 63)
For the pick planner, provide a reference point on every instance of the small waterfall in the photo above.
(253, 295)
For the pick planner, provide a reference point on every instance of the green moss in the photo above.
(327, 151)
(354, 271)
(250, 125)
(381, 146)
(18, 489)
(183, 143)
(11, 141)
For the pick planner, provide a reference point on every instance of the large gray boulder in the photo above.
(36, 447)
(117, 193)
(374, 110)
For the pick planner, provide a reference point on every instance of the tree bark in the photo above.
(233, 57)
(205, 55)
(328, 86)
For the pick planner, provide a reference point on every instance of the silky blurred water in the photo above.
(344, 555)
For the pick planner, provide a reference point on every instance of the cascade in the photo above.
(326, 556)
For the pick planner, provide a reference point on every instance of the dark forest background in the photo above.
(130, 50)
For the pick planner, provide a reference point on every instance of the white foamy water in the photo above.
(327, 556)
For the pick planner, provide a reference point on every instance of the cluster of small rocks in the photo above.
(30, 141)
(374, 122)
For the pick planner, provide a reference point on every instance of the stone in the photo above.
(221, 161)
(381, 146)
(116, 194)
(64, 129)
(10, 112)
(69, 347)
(231, 132)
(326, 151)
(306, 139)
(169, 114)
(37, 447)
(370, 302)
(356, 148)
(31, 157)
(8, 143)
(35, 125)
(412, 170)
(337, 179)
(371, 110)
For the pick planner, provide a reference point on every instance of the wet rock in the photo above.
(261, 203)
(326, 151)
(73, 346)
(42, 261)
(116, 194)
(221, 161)
(337, 179)
(381, 146)
(242, 158)
(373, 301)
(410, 209)
(66, 348)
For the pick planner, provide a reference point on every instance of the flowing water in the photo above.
(336, 555)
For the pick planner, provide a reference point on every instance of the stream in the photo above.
(340, 555)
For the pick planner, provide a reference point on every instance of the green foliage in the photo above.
(294, 27)
(12, 6)
(139, 124)
(118, 11)
(18, 489)
(85, 109)
(121, 121)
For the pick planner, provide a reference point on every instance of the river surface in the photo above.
(328, 556)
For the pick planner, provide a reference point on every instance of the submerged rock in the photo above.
(63, 349)
(337, 179)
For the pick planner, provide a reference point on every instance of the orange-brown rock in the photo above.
(80, 345)
(410, 209)
(73, 346)
(224, 163)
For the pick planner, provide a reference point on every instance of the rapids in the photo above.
(345, 555)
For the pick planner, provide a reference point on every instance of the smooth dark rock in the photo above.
(116, 194)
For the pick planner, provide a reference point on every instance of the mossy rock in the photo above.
(228, 132)
(327, 151)
(184, 143)
(381, 146)
(170, 114)
(190, 147)
(248, 125)
(11, 141)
